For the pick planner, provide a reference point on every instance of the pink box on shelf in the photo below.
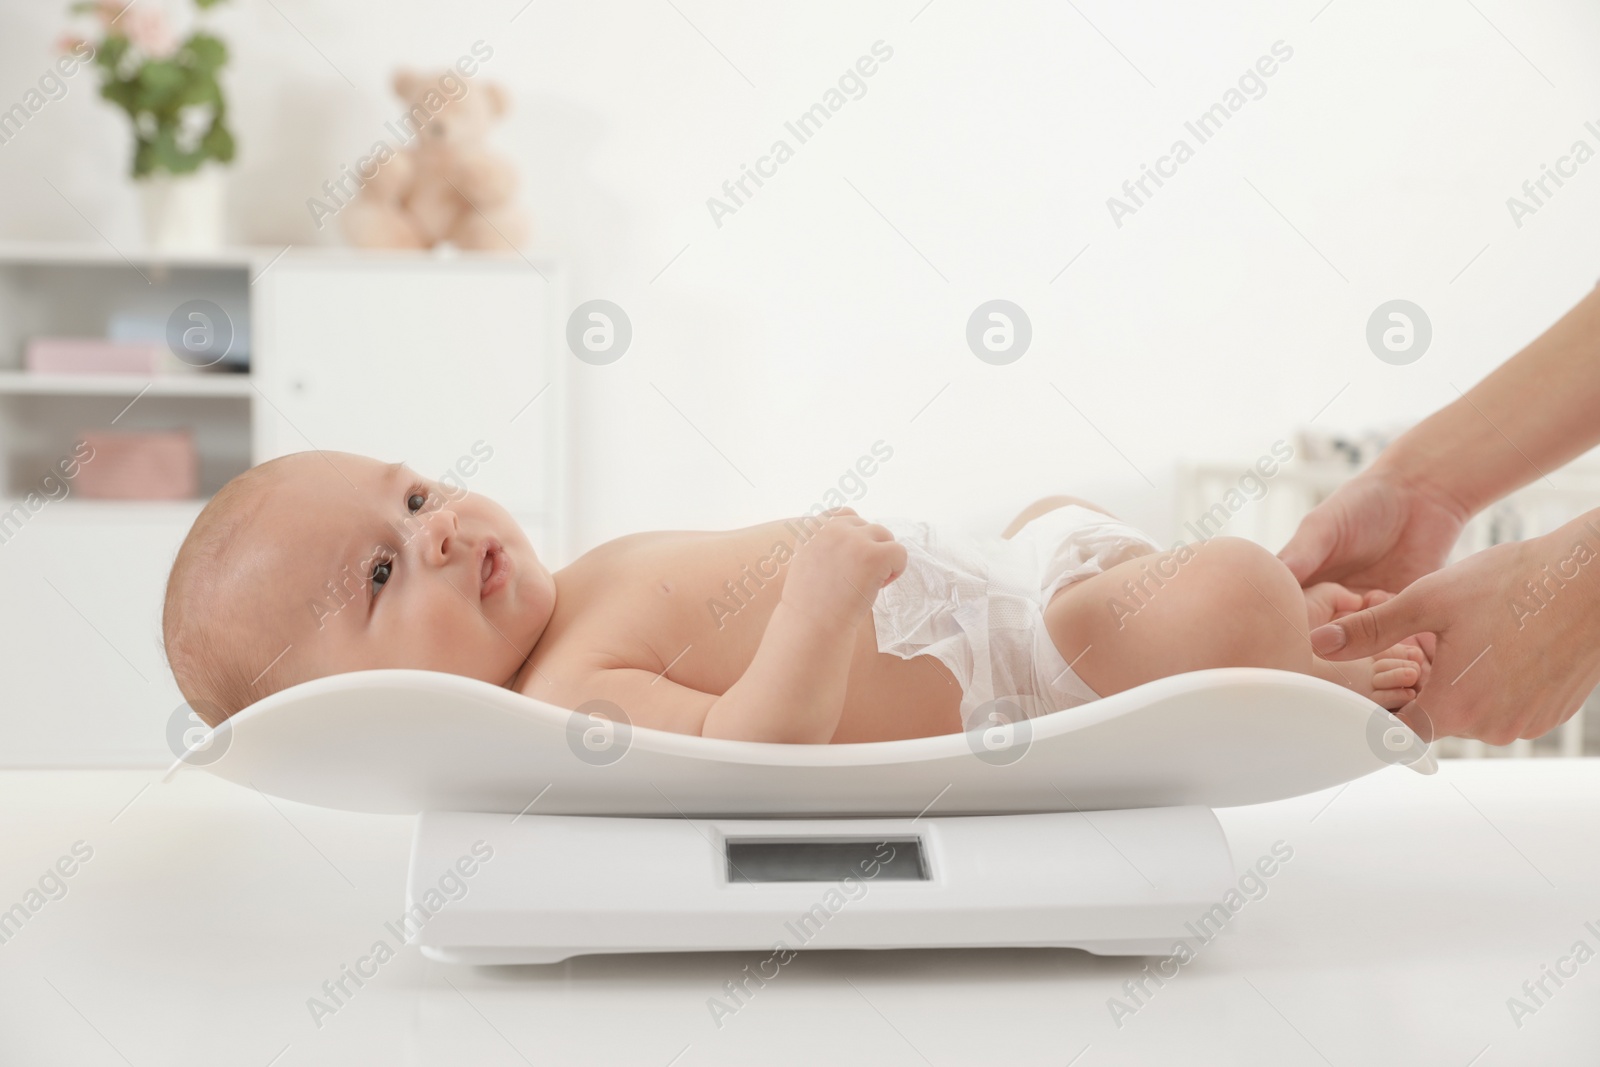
(91, 355)
(162, 465)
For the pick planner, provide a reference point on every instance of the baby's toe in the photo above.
(1394, 699)
(1404, 651)
(1394, 674)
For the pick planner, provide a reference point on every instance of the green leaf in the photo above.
(204, 4)
(207, 52)
(160, 83)
(125, 94)
(169, 156)
(218, 143)
(164, 148)
(143, 158)
(201, 89)
(111, 51)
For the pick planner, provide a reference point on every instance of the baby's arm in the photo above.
(794, 688)
(792, 691)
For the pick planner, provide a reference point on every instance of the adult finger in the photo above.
(1310, 546)
(1373, 629)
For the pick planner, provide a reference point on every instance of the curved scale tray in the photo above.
(402, 741)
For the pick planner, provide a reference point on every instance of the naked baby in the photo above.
(819, 628)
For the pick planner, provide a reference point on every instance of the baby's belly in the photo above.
(890, 698)
(668, 603)
(887, 698)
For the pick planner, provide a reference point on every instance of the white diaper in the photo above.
(977, 604)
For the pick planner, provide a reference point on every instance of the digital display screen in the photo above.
(760, 860)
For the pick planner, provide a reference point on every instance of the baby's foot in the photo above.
(1390, 679)
(1327, 601)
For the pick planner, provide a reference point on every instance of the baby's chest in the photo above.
(696, 622)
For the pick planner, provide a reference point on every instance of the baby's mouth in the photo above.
(494, 570)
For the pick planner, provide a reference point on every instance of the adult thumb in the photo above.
(1308, 549)
(1370, 630)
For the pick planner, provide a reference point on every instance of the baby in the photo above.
(822, 628)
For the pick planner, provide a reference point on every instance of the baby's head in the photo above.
(320, 563)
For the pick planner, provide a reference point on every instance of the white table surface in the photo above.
(1412, 909)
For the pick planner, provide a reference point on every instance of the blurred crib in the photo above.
(1208, 502)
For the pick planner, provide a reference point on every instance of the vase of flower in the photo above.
(183, 212)
(169, 89)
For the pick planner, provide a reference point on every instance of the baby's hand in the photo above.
(836, 575)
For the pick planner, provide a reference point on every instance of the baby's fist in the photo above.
(837, 572)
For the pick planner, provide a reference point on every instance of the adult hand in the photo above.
(1506, 665)
(1376, 531)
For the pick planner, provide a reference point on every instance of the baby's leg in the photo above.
(1226, 602)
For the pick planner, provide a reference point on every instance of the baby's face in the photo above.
(361, 565)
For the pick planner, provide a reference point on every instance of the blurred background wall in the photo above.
(829, 310)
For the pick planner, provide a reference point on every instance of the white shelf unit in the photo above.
(404, 356)
(1298, 487)
(74, 292)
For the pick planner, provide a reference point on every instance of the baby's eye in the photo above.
(381, 572)
(416, 501)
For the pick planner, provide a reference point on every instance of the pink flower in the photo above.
(147, 28)
(107, 11)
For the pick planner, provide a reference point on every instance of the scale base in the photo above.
(488, 889)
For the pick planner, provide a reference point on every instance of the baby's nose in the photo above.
(441, 533)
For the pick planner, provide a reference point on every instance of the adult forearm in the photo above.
(794, 689)
(1536, 412)
(1568, 569)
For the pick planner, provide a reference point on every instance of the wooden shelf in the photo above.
(24, 383)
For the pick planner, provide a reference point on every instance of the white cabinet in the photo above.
(86, 681)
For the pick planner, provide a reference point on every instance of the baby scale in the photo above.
(544, 833)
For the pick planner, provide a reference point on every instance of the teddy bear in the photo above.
(444, 184)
